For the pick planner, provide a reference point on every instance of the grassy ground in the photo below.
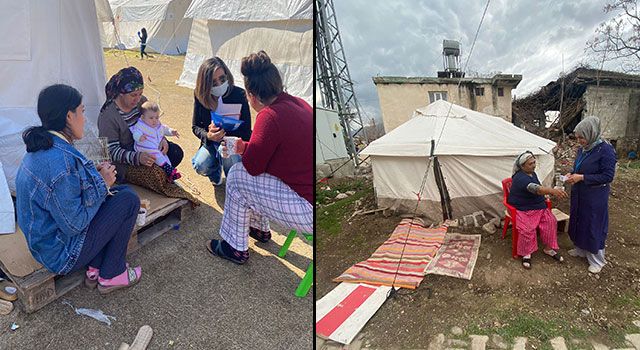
(502, 298)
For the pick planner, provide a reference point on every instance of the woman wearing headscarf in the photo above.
(592, 174)
(119, 112)
(532, 213)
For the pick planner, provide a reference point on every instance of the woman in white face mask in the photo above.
(215, 92)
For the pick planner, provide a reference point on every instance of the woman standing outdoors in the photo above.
(591, 178)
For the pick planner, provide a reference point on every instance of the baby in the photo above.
(148, 132)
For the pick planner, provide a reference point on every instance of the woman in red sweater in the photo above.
(274, 181)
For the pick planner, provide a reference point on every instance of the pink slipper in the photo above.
(128, 278)
(91, 277)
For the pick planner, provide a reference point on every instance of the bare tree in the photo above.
(618, 39)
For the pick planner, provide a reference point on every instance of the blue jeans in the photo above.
(208, 162)
(105, 246)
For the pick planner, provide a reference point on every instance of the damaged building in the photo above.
(612, 96)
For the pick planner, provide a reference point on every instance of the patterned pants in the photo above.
(254, 200)
(527, 222)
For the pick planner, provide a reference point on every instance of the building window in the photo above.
(479, 91)
(437, 95)
(500, 91)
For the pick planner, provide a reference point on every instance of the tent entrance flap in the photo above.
(445, 200)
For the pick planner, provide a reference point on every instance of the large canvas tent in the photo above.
(235, 28)
(43, 43)
(167, 29)
(476, 152)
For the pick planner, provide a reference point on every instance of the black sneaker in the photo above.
(261, 236)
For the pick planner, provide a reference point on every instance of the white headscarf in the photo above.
(589, 128)
(520, 160)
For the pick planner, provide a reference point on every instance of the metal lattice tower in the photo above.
(336, 88)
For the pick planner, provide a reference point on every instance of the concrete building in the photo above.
(400, 96)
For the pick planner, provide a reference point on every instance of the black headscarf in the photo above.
(125, 81)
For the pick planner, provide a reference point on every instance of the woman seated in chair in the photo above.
(532, 213)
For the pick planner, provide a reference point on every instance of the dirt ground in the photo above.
(549, 300)
(191, 299)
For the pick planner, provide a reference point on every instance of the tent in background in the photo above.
(233, 29)
(161, 18)
(43, 43)
(476, 152)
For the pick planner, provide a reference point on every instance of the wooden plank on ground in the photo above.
(343, 312)
(37, 286)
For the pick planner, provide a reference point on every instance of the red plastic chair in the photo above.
(510, 217)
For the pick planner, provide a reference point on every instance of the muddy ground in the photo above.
(549, 300)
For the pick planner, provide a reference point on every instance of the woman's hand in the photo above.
(556, 192)
(108, 173)
(147, 159)
(574, 178)
(215, 133)
(164, 146)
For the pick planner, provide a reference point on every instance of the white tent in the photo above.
(167, 29)
(43, 43)
(234, 29)
(476, 152)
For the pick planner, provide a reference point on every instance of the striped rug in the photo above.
(381, 268)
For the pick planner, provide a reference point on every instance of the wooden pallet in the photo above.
(41, 287)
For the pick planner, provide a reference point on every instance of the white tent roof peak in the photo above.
(251, 11)
(457, 131)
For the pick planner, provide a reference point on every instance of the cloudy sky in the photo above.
(404, 38)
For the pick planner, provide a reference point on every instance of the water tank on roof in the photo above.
(451, 55)
(450, 47)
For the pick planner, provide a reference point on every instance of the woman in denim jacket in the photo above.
(68, 215)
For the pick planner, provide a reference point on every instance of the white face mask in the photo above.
(218, 91)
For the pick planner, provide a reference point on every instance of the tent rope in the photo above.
(392, 291)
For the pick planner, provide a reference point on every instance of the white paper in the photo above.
(229, 110)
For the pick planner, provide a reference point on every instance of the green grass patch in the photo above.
(625, 301)
(324, 196)
(634, 165)
(331, 212)
(616, 335)
(329, 218)
(531, 327)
